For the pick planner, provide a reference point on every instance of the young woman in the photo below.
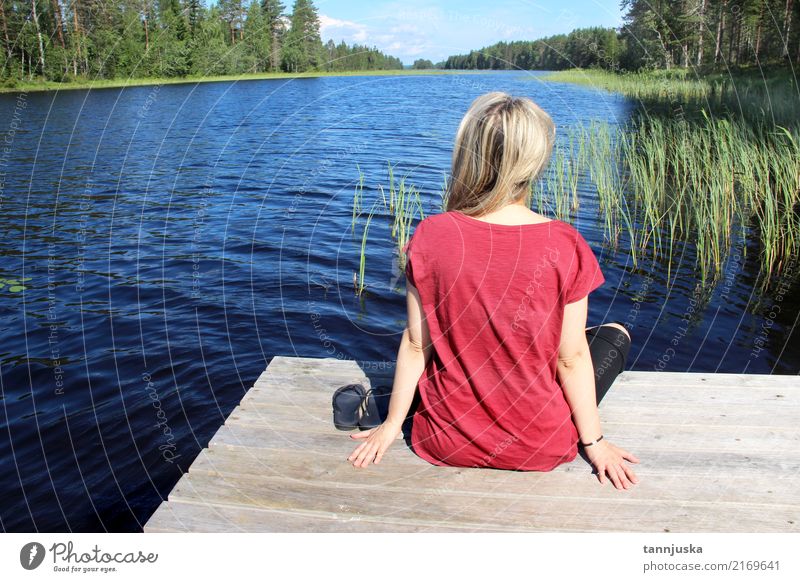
(509, 376)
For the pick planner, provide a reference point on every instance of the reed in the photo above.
(391, 188)
(358, 199)
(360, 282)
(720, 162)
(403, 205)
(699, 184)
(556, 192)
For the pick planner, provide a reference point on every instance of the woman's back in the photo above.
(495, 340)
(494, 296)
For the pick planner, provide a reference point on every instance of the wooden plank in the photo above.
(315, 407)
(630, 391)
(694, 482)
(343, 369)
(570, 512)
(318, 400)
(164, 519)
(317, 413)
(199, 517)
(654, 463)
(690, 438)
(692, 395)
(294, 364)
(638, 412)
(327, 381)
(287, 417)
(258, 437)
(299, 366)
(706, 380)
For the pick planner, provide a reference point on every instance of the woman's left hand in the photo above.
(609, 458)
(378, 440)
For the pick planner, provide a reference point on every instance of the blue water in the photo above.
(175, 238)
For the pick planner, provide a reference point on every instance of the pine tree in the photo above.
(302, 49)
(272, 11)
(257, 39)
(194, 10)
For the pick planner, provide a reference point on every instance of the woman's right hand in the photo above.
(378, 440)
(609, 458)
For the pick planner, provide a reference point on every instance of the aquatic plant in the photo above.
(358, 198)
(404, 206)
(359, 282)
(698, 183)
(700, 173)
(14, 285)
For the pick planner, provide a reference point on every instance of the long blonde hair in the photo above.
(501, 146)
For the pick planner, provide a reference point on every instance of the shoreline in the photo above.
(574, 76)
(41, 86)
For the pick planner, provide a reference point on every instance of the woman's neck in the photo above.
(512, 214)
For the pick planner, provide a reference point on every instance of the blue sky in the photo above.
(432, 29)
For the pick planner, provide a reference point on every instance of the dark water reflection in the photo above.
(177, 237)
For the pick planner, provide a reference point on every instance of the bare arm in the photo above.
(412, 357)
(576, 374)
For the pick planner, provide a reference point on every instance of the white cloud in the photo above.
(404, 40)
(410, 32)
(336, 29)
(399, 48)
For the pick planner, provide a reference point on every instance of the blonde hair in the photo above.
(501, 146)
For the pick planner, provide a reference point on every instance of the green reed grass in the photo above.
(358, 199)
(403, 206)
(697, 184)
(717, 161)
(360, 282)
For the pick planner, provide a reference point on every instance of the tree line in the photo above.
(660, 34)
(585, 47)
(63, 40)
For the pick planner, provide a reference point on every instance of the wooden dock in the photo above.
(719, 453)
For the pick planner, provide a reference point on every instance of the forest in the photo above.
(660, 34)
(68, 40)
(72, 40)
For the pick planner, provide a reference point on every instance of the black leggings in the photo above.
(609, 347)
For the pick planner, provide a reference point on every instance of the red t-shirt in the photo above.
(494, 296)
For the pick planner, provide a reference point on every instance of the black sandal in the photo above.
(375, 408)
(347, 402)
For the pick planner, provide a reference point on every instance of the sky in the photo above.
(436, 29)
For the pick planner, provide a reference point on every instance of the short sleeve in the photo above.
(586, 274)
(412, 250)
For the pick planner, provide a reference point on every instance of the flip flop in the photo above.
(375, 407)
(347, 401)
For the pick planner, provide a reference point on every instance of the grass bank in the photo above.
(32, 86)
(753, 95)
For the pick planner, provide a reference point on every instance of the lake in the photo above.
(172, 239)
